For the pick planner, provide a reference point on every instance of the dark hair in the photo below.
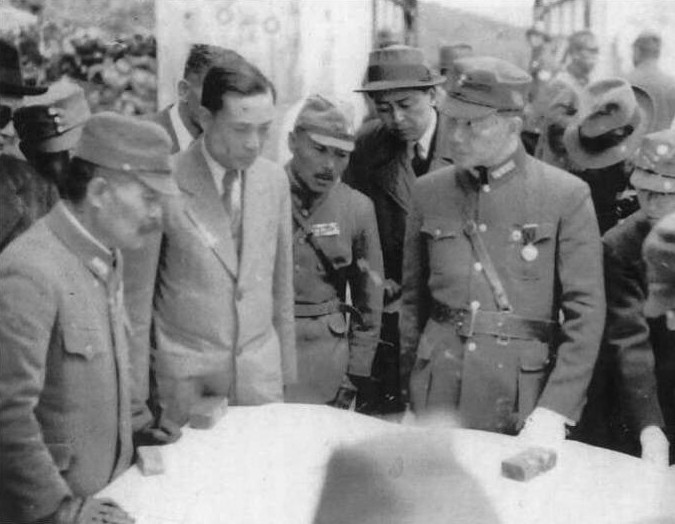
(73, 187)
(244, 79)
(203, 57)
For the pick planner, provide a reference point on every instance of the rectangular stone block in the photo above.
(529, 463)
(150, 460)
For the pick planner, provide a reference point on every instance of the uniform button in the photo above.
(482, 228)
(304, 213)
(475, 304)
(437, 233)
(297, 267)
(486, 188)
(478, 266)
(516, 235)
(471, 346)
(239, 295)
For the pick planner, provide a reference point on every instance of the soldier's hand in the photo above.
(157, 433)
(544, 428)
(655, 446)
(78, 510)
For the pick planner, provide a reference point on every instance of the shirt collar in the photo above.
(184, 136)
(216, 169)
(424, 143)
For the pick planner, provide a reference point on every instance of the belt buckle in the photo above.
(502, 338)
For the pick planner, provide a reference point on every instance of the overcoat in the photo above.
(65, 413)
(641, 348)
(343, 226)
(222, 323)
(542, 237)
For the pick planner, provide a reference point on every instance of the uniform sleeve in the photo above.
(415, 294)
(582, 302)
(283, 316)
(140, 272)
(366, 278)
(627, 337)
(30, 477)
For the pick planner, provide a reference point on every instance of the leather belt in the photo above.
(317, 310)
(503, 325)
(326, 308)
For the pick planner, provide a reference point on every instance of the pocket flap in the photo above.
(534, 357)
(438, 228)
(543, 232)
(80, 340)
(62, 455)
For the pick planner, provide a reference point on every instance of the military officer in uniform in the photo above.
(65, 407)
(498, 248)
(335, 245)
(406, 141)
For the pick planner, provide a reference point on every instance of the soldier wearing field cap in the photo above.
(407, 141)
(637, 338)
(335, 244)
(497, 247)
(65, 406)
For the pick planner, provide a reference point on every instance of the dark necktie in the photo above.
(232, 202)
(419, 164)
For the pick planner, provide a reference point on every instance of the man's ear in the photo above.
(205, 117)
(183, 90)
(96, 191)
(433, 95)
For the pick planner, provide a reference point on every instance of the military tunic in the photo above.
(343, 225)
(541, 234)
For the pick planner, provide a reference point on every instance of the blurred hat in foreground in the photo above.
(52, 121)
(327, 122)
(610, 124)
(129, 145)
(403, 478)
(486, 85)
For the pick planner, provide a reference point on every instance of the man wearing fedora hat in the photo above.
(22, 190)
(635, 376)
(407, 141)
(499, 248)
(581, 58)
(448, 54)
(650, 77)
(335, 244)
(65, 406)
(599, 139)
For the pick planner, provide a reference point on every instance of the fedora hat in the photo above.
(398, 67)
(610, 124)
(53, 121)
(11, 79)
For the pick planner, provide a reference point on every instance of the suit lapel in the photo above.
(205, 210)
(441, 156)
(395, 176)
(254, 212)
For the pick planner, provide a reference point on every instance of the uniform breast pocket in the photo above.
(337, 248)
(83, 341)
(442, 239)
(532, 254)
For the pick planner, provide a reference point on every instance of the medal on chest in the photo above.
(326, 230)
(529, 251)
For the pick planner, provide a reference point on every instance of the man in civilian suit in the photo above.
(181, 120)
(223, 300)
(406, 141)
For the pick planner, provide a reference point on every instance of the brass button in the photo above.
(486, 188)
(516, 235)
(471, 346)
(482, 228)
(478, 266)
(304, 213)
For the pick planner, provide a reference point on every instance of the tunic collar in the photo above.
(493, 177)
(303, 199)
